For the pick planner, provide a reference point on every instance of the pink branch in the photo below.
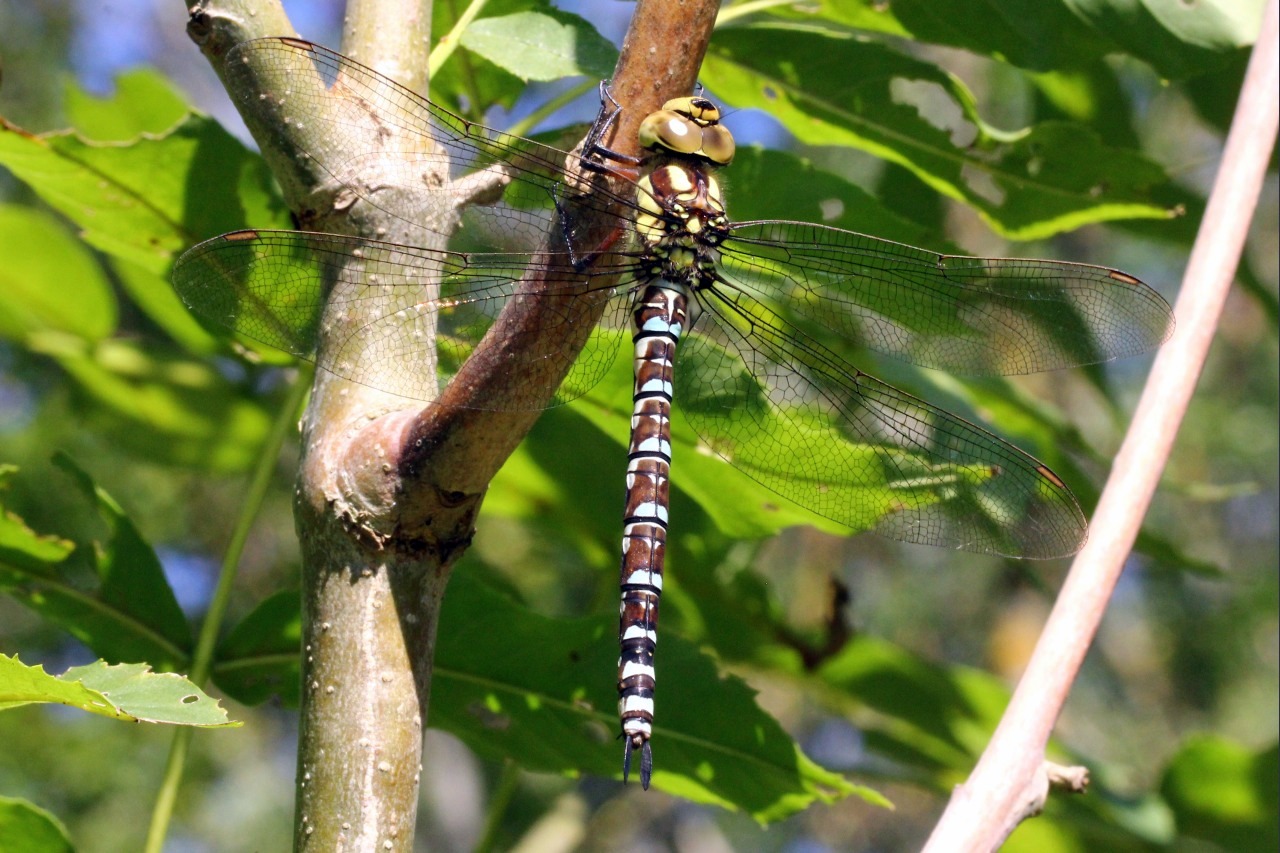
(1011, 780)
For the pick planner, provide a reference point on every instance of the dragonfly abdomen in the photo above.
(659, 319)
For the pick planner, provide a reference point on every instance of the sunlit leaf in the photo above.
(146, 201)
(1027, 184)
(143, 102)
(1226, 793)
(166, 407)
(544, 45)
(50, 280)
(126, 692)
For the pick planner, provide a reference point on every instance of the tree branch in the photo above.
(1012, 779)
(387, 496)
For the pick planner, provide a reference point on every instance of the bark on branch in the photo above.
(387, 495)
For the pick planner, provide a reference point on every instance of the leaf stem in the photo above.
(568, 96)
(449, 43)
(202, 658)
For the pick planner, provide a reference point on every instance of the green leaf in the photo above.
(148, 200)
(49, 280)
(740, 506)
(926, 706)
(840, 91)
(1215, 94)
(1035, 34)
(132, 578)
(27, 828)
(1092, 95)
(21, 546)
(1045, 835)
(163, 406)
(546, 45)
(156, 297)
(131, 616)
(1177, 38)
(548, 701)
(1223, 792)
(259, 659)
(780, 185)
(144, 102)
(127, 692)
(597, 428)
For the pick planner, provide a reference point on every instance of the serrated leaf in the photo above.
(144, 102)
(144, 202)
(27, 828)
(833, 91)
(128, 692)
(545, 45)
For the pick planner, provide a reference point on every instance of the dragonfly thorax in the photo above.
(680, 223)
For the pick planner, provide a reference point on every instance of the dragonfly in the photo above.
(745, 321)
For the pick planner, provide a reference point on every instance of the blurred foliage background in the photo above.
(1176, 712)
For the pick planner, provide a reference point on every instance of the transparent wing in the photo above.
(972, 315)
(426, 310)
(396, 150)
(796, 418)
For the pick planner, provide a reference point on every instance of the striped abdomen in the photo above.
(659, 319)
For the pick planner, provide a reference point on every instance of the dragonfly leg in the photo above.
(595, 152)
(579, 258)
(610, 109)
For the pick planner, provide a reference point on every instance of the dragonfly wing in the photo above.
(796, 418)
(972, 315)
(396, 150)
(417, 313)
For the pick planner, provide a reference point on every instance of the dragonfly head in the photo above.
(688, 127)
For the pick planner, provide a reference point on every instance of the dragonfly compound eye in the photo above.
(717, 144)
(670, 131)
(680, 133)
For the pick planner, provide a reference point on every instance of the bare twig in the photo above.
(1010, 782)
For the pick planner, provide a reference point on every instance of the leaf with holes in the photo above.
(129, 692)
